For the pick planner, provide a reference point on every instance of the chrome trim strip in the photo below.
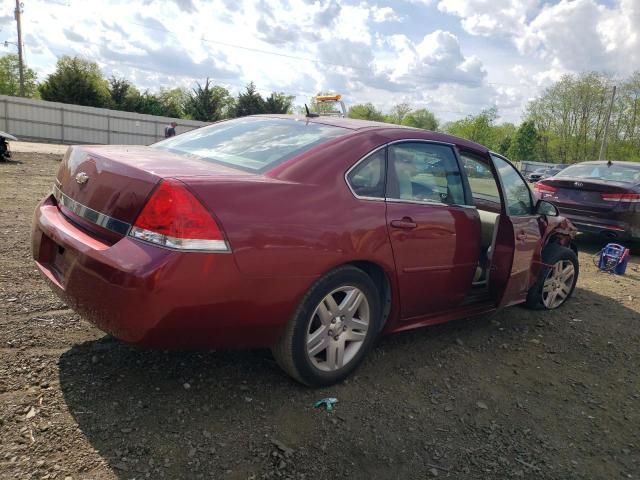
(421, 140)
(601, 226)
(418, 202)
(91, 215)
(181, 244)
(429, 203)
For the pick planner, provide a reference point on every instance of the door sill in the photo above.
(464, 310)
(476, 295)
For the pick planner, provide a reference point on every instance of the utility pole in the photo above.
(18, 12)
(603, 145)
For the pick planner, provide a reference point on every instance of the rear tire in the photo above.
(332, 329)
(555, 284)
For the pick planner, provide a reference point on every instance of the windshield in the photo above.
(251, 143)
(615, 172)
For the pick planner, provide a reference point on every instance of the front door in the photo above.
(517, 239)
(435, 237)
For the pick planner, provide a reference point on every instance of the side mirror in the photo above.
(546, 208)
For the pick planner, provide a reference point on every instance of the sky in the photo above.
(454, 57)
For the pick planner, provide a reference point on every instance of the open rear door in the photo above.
(516, 239)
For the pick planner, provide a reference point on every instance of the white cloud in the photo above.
(498, 17)
(436, 60)
(573, 35)
(384, 14)
(583, 35)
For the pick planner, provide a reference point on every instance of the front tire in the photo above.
(332, 329)
(555, 283)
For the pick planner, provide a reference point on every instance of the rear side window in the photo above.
(251, 143)
(368, 177)
(424, 172)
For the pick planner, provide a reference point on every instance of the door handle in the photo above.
(406, 223)
(522, 236)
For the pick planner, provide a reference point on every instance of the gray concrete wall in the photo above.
(40, 121)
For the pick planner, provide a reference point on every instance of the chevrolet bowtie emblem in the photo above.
(82, 178)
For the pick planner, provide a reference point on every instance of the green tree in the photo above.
(125, 96)
(502, 137)
(421, 118)
(571, 114)
(10, 77)
(278, 103)
(77, 81)
(365, 111)
(250, 102)
(504, 146)
(398, 113)
(174, 101)
(525, 142)
(477, 128)
(118, 90)
(148, 103)
(209, 103)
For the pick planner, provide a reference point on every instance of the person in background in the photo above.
(170, 130)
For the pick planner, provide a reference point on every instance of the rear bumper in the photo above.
(618, 226)
(156, 297)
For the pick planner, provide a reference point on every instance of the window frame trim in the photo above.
(454, 148)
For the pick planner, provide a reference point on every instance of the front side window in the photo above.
(368, 177)
(424, 172)
(251, 143)
(516, 190)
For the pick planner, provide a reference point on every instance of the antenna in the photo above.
(309, 114)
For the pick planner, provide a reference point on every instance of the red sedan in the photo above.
(308, 235)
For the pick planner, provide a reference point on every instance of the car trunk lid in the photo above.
(583, 195)
(97, 184)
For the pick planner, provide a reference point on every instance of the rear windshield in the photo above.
(617, 173)
(251, 143)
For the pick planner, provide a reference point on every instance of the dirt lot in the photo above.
(519, 395)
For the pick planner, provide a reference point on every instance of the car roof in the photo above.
(349, 123)
(391, 130)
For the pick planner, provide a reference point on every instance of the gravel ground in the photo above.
(544, 395)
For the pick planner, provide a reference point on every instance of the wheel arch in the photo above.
(561, 239)
(382, 282)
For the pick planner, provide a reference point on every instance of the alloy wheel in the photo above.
(558, 284)
(337, 328)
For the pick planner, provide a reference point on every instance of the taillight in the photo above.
(174, 218)
(544, 188)
(621, 197)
